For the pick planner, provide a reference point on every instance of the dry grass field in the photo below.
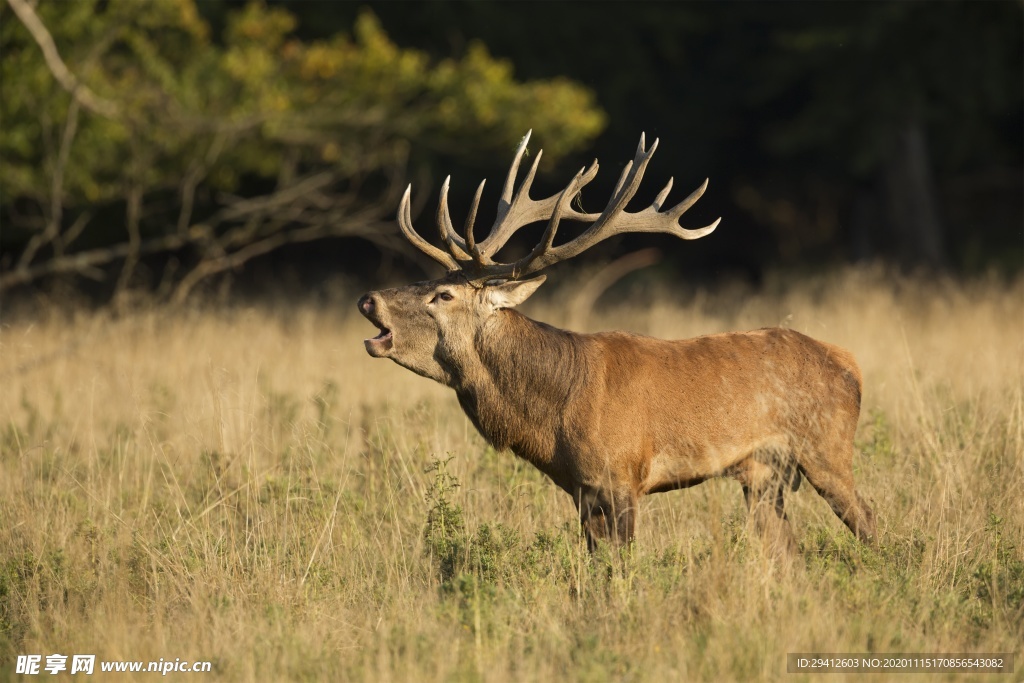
(246, 486)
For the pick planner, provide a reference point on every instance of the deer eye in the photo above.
(443, 296)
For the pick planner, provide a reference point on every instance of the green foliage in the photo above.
(998, 580)
(198, 115)
(492, 555)
(351, 102)
(877, 440)
(444, 531)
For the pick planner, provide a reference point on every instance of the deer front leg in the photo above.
(606, 516)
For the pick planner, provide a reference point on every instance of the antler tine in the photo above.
(628, 185)
(511, 205)
(456, 246)
(510, 179)
(622, 178)
(523, 264)
(506, 202)
(470, 220)
(405, 224)
(663, 195)
(679, 209)
(696, 233)
(629, 164)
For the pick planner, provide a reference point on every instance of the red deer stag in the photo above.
(610, 417)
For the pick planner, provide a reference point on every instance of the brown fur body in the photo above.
(613, 416)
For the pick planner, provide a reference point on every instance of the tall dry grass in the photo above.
(247, 486)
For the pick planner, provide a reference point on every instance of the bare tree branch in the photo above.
(133, 211)
(53, 224)
(196, 173)
(251, 250)
(262, 224)
(84, 261)
(78, 90)
(65, 240)
(245, 207)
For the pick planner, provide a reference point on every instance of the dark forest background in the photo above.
(266, 145)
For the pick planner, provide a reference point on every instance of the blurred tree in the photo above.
(129, 131)
(899, 93)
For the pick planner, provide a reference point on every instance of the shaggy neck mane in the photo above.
(524, 377)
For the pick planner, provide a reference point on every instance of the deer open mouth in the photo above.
(378, 346)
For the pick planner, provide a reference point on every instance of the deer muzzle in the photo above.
(378, 346)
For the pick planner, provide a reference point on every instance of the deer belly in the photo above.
(683, 465)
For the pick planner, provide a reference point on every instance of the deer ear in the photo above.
(514, 292)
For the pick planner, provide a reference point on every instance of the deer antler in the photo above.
(516, 209)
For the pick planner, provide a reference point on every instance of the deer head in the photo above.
(430, 327)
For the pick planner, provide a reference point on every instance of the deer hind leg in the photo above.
(832, 478)
(764, 484)
(606, 516)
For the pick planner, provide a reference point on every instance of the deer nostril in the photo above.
(366, 304)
